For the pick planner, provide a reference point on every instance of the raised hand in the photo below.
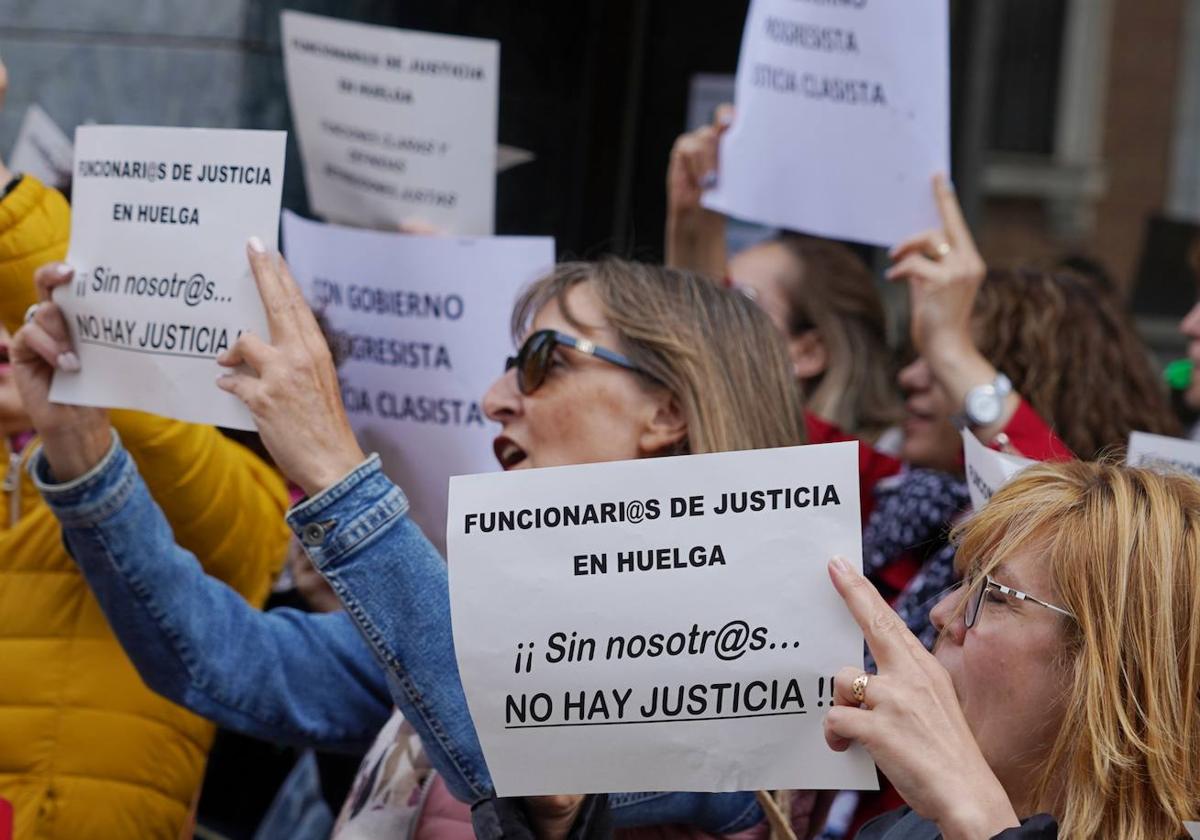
(910, 721)
(292, 388)
(74, 438)
(696, 235)
(943, 270)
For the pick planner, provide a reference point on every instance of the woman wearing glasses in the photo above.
(619, 361)
(1064, 689)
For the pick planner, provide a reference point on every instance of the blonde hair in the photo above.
(1123, 548)
(832, 291)
(711, 348)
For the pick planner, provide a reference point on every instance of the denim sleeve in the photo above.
(284, 676)
(394, 585)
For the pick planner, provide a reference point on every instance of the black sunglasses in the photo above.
(533, 359)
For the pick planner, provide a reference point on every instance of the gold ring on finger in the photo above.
(858, 688)
(941, 251)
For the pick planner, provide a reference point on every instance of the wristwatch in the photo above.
(985, 403)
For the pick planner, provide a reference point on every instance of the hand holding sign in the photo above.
(75, 438)
(909, 719)
(293, 393)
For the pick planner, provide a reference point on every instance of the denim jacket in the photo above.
(303, 678)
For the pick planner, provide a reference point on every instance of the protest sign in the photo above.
(686, 632)
(42, 150)
(987, 469)
(159, 223)
(394, 126)
(422, 326)
(843, 117)
(1159, 452)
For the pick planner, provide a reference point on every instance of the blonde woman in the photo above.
(617, 361)
(819, 294)
(1063, 696)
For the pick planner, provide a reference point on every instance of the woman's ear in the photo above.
(665, 429)
(808, 353)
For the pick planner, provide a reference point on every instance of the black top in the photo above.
(906, 824)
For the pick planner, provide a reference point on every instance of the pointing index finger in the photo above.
(953, 221)
(271, 289)
(887, 637)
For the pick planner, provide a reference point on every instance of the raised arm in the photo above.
(944, 271)
(695, 235)
(286, 676)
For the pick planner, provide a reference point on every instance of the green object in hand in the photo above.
(1179, 374)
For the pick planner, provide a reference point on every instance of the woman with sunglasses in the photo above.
(1063, 695)
(619, 361)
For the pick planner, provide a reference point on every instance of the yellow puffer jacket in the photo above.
(86, 750)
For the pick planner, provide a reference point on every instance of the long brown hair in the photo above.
(832, 291)
(1123, 549)
(712, 348)
(1071, 351)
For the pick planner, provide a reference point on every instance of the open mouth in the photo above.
(508, 453)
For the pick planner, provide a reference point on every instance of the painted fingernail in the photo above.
(841, 564)
(69, 362)
(62, 269)
(256, 245)
(709, 180)
(725, 118)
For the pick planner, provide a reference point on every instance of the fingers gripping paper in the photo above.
(159, 223)
(685, 633)
(843, 116)
(421, 326)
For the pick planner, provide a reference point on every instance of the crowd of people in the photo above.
(1033, 667)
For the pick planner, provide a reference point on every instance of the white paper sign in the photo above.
(987, 469)
(159, 223)
(843, 117)
(1193, 828)
(1163, 453)
(42, 150)
(662, 624)
(394, 125)
(423, 325)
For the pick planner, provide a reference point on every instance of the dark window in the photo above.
(1028, 61)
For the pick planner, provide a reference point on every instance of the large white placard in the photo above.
(42, 149)
(422, 323)
(662, 624)
(987, 469)
(1163, 453)
(394, 126)
(160, 218)
(843, 117)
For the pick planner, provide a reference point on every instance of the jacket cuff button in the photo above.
(313, 533)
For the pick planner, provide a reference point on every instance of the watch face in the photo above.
(983, 406)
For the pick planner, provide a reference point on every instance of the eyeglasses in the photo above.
(533, 359)
(976, 595)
